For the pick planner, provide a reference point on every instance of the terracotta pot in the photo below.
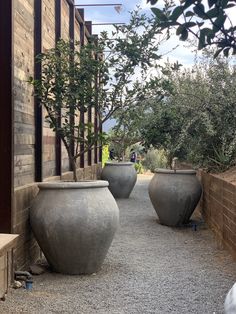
(174, 195)
(121, 177)
(74, 224)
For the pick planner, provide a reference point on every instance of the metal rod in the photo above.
(108, 23)
(72, 46)
(98, 5)
(58, 33)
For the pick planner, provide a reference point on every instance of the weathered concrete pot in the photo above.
(74, 224)
(174, 195)
(121, 177)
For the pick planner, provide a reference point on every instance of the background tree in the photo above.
(209, 97)
(197, 120)
(126, 131)
(132, 115)
(128, 57)
(162, 128)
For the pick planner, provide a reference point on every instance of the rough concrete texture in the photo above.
(178, 189)
(74, 224)
(149, 268)
(121, 177)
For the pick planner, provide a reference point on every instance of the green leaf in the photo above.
(211, 13)
(189, 24)
(224, 3)
(176, 13)
(202, 38)
(166, 24)
(152, 1)
(211, 3)
(210, 37)
(230, 6)
(179, 30)
(189, 14)
(208, 34)
(159, 14)
(187, 3)
(226, 52)
(201, 44)
(184, 34)
(216, 54)
(199, 10)
(199, 24)
(206, 31)
(219, 22)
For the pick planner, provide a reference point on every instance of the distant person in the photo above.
(133, 156)
(112, 154)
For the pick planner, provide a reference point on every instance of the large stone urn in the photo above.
(74, 224)
(174, 195)
(121, 177)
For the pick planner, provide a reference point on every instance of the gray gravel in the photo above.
(149, 269)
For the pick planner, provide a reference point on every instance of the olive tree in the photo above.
(197, 120)
(97, 75)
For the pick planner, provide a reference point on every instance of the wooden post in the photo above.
(82, 34)
(38, 107)
(88, 25)
(72, 46)
(58, 37)
(6, 116)
(96, 111)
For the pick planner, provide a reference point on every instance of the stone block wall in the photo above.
(218, 207)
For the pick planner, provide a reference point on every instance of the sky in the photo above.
(97, 14)
(183, 54)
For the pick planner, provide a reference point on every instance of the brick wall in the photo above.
(218, 207)
(25, 146)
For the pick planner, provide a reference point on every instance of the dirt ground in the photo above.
(229, 175)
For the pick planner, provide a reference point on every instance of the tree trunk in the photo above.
(169, 160)
(72, 159)
(73, 166)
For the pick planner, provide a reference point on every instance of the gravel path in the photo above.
(149, 269)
